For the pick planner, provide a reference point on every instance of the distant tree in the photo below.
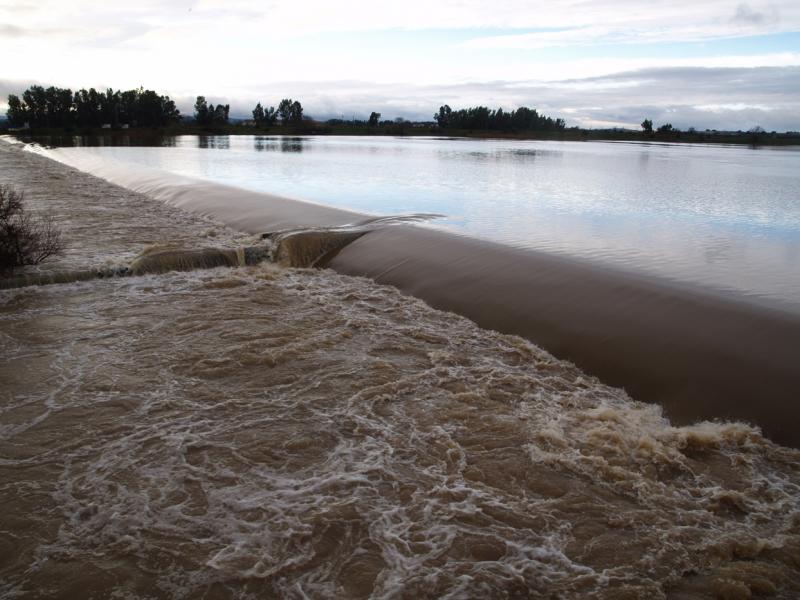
(374, 119)
(218, 115)
(169, 112)
(483, 118)
(59, 107)
(17, 112)
(201, 111)
(35, 99)
(270, 116)
(756, 134)
(258, 114)
(40, 107)
(24, 238)
(442, 117)
(285, 109)
(297, 112)
(290, 111)
(647, 126)
(87, 107)
(666, 128)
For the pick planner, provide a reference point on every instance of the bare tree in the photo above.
(25, 239)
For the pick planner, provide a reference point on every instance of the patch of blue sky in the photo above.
(455, 40)
(739, 46)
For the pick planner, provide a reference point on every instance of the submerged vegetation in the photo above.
(25, 238)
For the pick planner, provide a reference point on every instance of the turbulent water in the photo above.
(262, 431)
(265, 432)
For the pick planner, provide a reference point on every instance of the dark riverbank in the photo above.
(150, 136)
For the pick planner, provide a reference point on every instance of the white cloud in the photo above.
(660, 20)
(242, 51)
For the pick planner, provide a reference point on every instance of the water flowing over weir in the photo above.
(249, 432)
(700, 355)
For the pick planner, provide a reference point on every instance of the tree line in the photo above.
(208, 114)
(482, 118)
(54, 107)
(647, 127)
(61, 108)
(289, 111)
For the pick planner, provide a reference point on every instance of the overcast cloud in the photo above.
(715, 64)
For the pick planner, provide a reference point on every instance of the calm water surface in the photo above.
(722, 217)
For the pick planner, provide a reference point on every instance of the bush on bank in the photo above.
(25, 238)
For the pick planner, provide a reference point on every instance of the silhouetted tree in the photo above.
(285, 109)
(374, 118)
(647, 126)
(665, 128)
(59, 107)
(17, 114)
(218, 115)
(201, 111)
(258, 114)
(34, 98)
(442, 118)
(87, 107)
(265, 116)
(290, 111)
(482, 118)
(297, 112)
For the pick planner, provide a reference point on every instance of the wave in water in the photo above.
(270, 432)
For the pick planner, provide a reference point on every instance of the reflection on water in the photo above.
(728, 217)
(278, 143)
(213, 142)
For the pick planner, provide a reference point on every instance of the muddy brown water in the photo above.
(696, 352)
(264, 432)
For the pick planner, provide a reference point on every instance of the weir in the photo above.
(303, 249)
(698, 353)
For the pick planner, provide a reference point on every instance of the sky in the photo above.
(604, 63)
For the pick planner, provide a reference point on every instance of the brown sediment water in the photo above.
(266, 432)
(699, 354)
